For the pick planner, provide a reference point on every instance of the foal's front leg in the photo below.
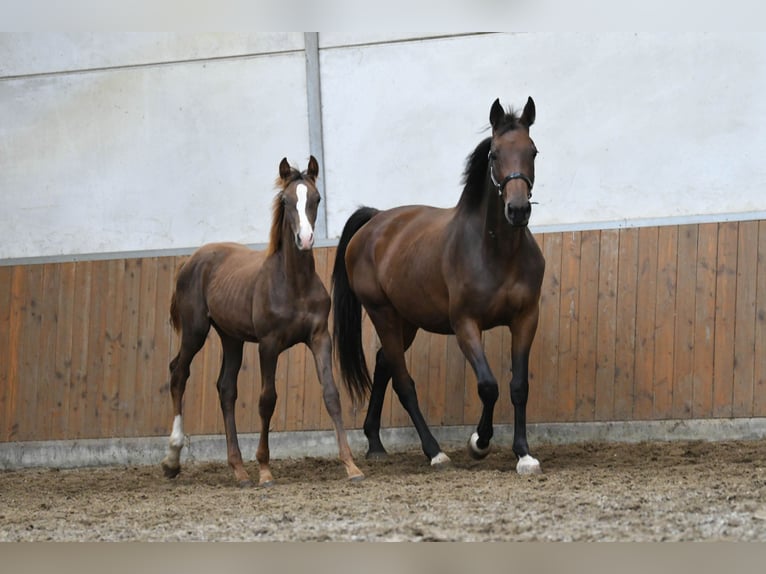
(321, 348)
(266, 403)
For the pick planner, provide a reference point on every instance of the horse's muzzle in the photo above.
(518, 216)
(304, 241)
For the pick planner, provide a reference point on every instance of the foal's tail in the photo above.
(347, 313)
(175, 315)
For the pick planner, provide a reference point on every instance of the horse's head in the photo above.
(299, 200)
(512, 161)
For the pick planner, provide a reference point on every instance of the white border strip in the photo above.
(298, 444)
(332, 242)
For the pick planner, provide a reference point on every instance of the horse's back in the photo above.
(396, 258)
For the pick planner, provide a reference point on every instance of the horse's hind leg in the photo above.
(388, 324)
(227, 393)
(380, 379)
(192, 339)
(321, 348)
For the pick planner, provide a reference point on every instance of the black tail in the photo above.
(347, 313)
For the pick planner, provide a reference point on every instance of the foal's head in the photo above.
(512, 160)
(295, 207)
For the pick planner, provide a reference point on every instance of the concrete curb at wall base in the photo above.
(298, 444)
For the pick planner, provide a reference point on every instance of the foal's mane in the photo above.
(475, 173)
(278, 210)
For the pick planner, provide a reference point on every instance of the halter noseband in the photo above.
(511, 176)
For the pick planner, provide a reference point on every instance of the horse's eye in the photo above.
(492, 155)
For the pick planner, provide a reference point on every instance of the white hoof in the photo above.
(528, 465)
(477, 452)
(440, 459)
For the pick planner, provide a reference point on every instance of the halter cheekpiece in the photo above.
(500, 186)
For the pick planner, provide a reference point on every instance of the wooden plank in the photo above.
(759, 390)
(46, 377)
(493, 348)
(607, 327)
(61, 391)
(745, 318)
(160, 413)
(725, 311)
(211, 417)
(112, 334)
(625, 318)
(296, 370)
(455, 385)
(6, 283)
(420, 370)
(587, 326)
(569, 312)
(147, 311)
(80, 344)
(15, 346)
(27, 416)
(645, 323)
(664, 330)
(92, 387)
(704, 320)
(128, 338)
(683, 349)
(546, 342)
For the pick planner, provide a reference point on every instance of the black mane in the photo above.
(475, 173)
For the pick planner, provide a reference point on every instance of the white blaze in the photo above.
(305, 232)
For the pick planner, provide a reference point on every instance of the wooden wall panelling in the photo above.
(745, 318)
(625, 325)
(683, 348)
(664, 329)
(725, 309)
(704, 320)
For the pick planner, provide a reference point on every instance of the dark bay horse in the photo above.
(273, 298)
(461, 270)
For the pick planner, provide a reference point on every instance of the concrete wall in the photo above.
(115, 143)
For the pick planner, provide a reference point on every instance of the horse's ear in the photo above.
(313, 171)
(528, 115)
(284, 169)
(496, 114)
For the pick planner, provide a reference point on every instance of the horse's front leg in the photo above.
(469, 338)
(523, 333)
(321, 348)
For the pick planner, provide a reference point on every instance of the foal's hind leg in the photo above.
(227, 393)
(321, 348)
(192, 339)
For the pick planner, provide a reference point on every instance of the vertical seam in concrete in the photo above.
(316, 143)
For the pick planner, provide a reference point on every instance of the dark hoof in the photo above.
(267, 484)
(171, 472)
(376, 455)
(358, 478)
(245, 484)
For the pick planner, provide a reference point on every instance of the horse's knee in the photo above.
(488, 392)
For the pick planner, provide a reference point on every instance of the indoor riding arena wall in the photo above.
(121, 153)
(636, 324)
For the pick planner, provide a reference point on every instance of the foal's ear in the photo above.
(496, 114)
(528, 115)
(284, 169)
(313, 170)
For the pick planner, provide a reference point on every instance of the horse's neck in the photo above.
(298, 267)
(500, 240)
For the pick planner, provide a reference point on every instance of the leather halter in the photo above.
(511, 176)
